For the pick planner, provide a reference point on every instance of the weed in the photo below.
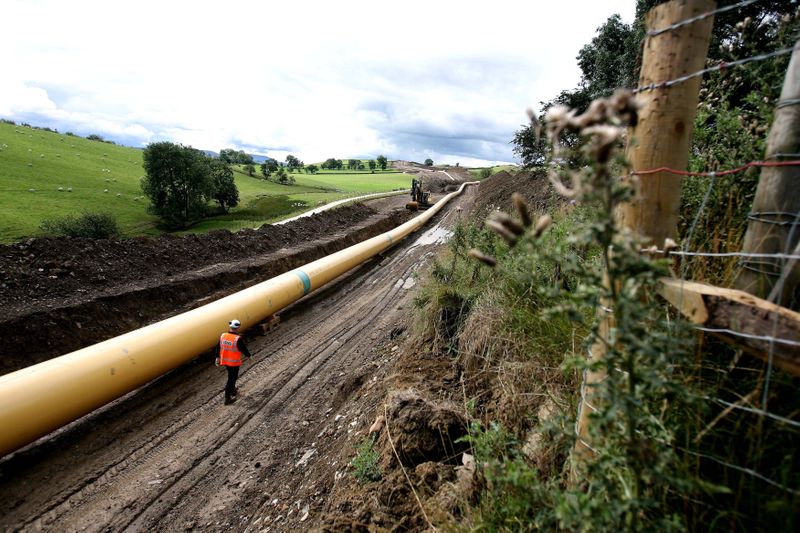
(365, 463)
(89, 225)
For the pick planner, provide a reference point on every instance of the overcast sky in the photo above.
(414, 79)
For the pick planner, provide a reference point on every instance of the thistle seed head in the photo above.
(510, 224)
(501, 230)
(522, 209)
(541, 225)
(483, 258)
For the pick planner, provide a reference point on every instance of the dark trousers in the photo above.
(233, 375)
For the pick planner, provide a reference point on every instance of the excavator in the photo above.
(419, 198)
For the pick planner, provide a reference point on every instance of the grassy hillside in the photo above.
(476, 172)
(35, 163)
(45, 174)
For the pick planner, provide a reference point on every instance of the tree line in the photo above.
(180, 181)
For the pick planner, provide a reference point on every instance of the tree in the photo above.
(372, 165)
(429, 162)
(177, 181)
(382, 161)
(268, 167)
(532, 150)
(293, 163)
(312, 169)
(235, 157)
(225, 191)
(352, 164)
(250, 169)
(609, 61)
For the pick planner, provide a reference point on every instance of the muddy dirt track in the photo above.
(171, 457)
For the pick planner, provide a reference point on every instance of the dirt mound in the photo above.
(52, 268)
(495, 192)
(425, 431)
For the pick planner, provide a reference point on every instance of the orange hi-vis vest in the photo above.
(229, 353)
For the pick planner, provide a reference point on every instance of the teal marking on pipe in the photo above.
(389, 237)
(305, 279)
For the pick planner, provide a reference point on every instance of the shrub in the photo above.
(90, 225)
(365, 463)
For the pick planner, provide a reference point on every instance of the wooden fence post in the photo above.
(661, 139)
(774, 227)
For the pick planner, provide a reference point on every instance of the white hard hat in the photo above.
(234, 324)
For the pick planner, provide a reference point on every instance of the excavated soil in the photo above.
(64, 294)
(495, 193)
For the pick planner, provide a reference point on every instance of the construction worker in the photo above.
(230, 350)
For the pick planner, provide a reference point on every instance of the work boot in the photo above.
(229, 399)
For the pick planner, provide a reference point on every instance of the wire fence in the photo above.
(728, 398)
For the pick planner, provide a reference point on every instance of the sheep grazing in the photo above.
(69, 189)
(61, 189)
(119, 194)
(31, 190)
(105, 190)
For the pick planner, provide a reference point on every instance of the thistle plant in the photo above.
(633, 470)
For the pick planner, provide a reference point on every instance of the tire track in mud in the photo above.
(329, 345)
(182, 454)
(143, 452)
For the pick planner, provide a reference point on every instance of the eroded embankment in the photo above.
(154, 278)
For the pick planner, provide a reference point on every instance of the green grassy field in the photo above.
(38, 168)
(508, 168)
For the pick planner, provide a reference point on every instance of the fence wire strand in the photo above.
(702, 16)
(722, 66)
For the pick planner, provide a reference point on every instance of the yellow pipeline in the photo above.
(36, 400)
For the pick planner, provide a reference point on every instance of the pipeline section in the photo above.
(41, 398)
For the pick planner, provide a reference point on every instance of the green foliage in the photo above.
(332, 164)
(312, 169)
(268, 167)
(235, 157)
(730, 129)
(89, 225)
(382, 161)
(517, 497)
(429, 162)
(178, 183)
(485, 173)
(95, 137)
(372, 164)
(365, 463)
(250, 169)
(225, 191)
(292, 163)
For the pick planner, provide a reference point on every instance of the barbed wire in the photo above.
(722, 254)
(702, 16)
(787, 103)
(763, 216)
(742, 469)
(719, 173)
(765, 338)
(715, 68)
(753, 410)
